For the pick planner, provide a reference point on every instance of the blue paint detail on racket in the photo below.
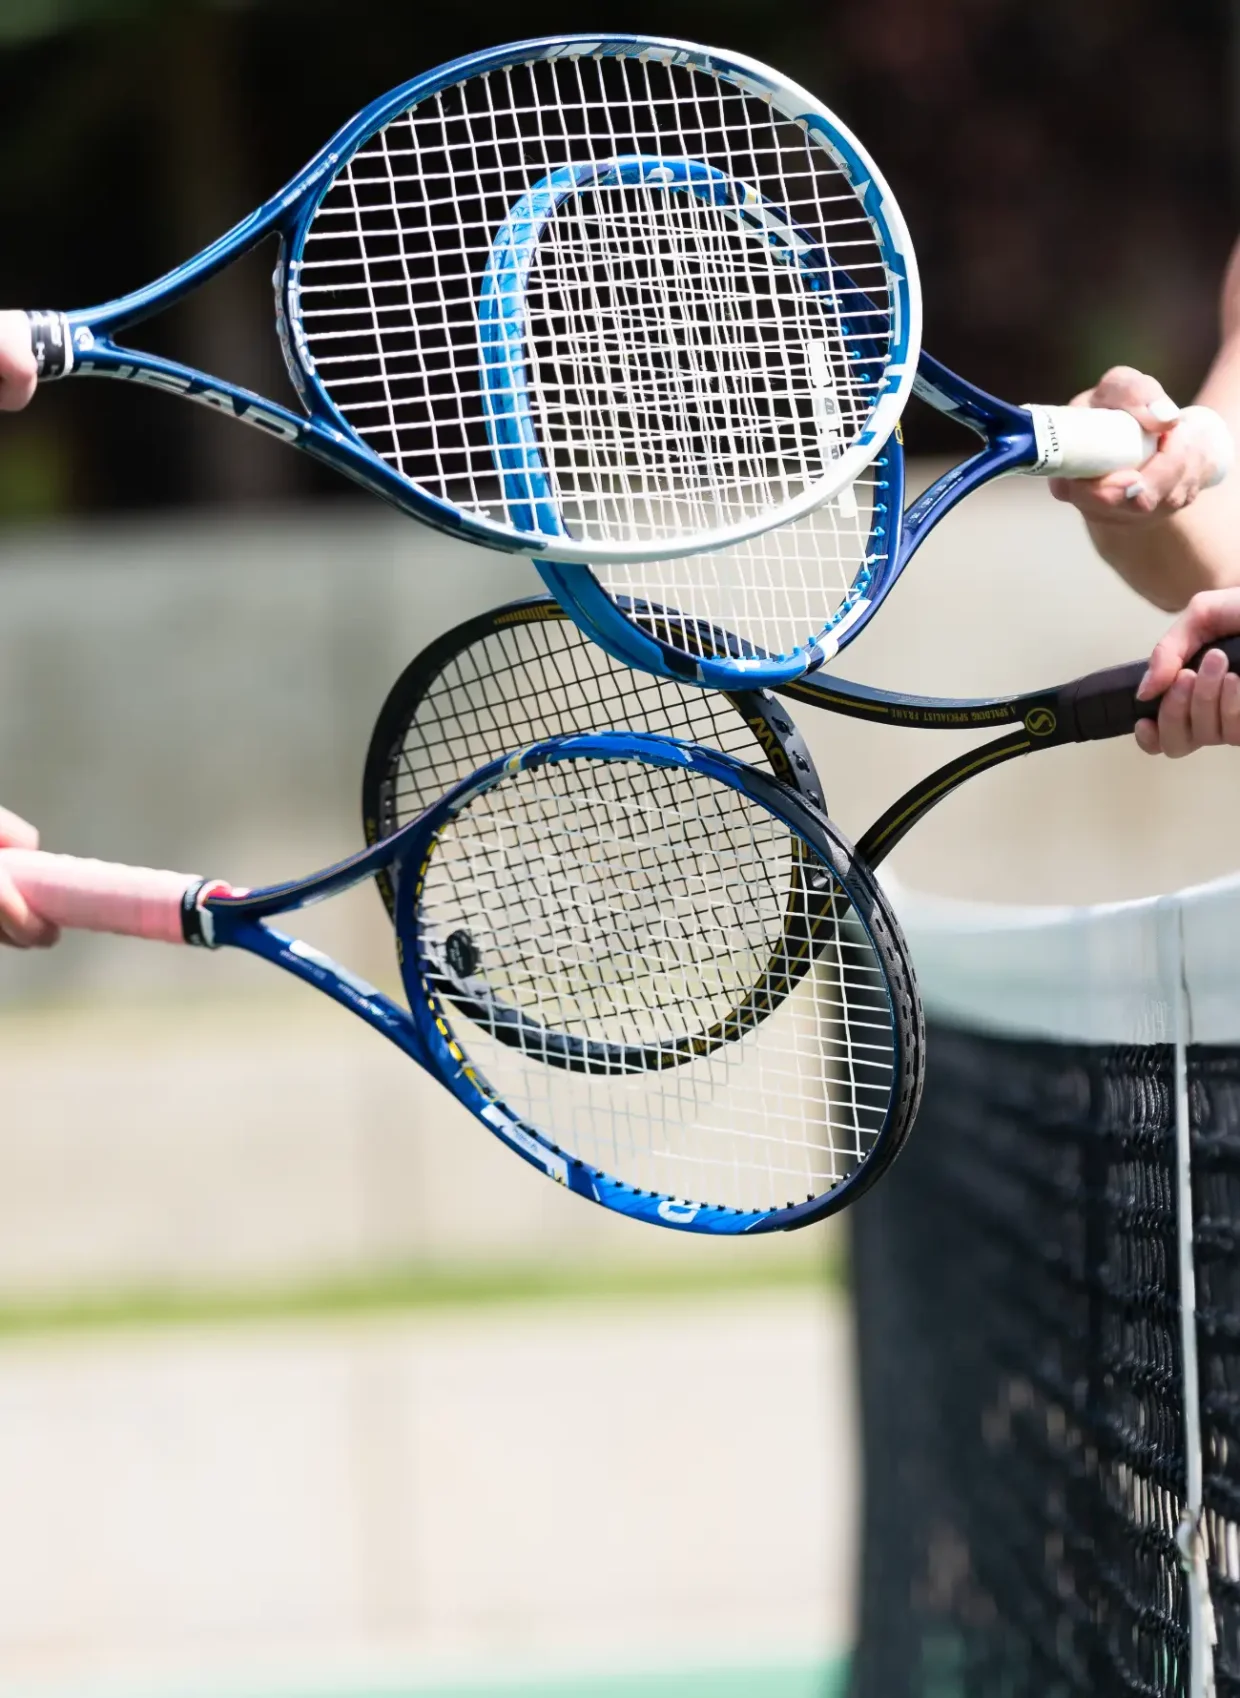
(384, 238)
(651, 970)
(508, 340)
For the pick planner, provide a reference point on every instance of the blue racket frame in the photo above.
(423, 1030)
(1008, 445)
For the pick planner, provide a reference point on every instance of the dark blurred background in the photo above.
(1069, 171)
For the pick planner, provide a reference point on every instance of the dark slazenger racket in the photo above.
(658, 348)
(599, 907)
(1096, 707)
(459, 694)
(524, 672)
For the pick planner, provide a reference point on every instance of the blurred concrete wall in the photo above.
(199, 692)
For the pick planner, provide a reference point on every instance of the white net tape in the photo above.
(683, 373)
(621, 904)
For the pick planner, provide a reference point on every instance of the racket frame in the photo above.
(773, 728)
(424, 1031)
(501, 317)
(1009, 444)
(1096, 707)
(868, 904)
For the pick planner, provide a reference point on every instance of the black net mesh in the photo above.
(1016, 1285)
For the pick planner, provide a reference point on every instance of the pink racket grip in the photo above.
(101, 896)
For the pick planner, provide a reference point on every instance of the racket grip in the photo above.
(100, 896)
(1089, 442)
(51, 344)
(1104, 704)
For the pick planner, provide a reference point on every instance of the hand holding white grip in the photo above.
(1089, 442)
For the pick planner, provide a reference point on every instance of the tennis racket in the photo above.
(777, 606)
(1099, 706)
(575, 922)
(523, 666)
(524, 672)
(538, 299)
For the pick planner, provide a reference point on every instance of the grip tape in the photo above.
(51, 343)
(101, 896)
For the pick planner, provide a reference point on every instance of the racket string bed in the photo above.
(640, 913)
(537, 678)
(679, 353)
(774, 594)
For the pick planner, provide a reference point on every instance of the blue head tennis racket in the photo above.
(680, 380)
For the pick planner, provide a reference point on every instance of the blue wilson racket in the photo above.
(651, 970)
(776, 606)
(683, 379)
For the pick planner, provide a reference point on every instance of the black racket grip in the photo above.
(1104, 704)
(50, 344)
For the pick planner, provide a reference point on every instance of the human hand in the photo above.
(1192, 454)
(18, 372)
(18, 926)
(1198, 708)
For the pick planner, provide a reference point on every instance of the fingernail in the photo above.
(1135, 490)
(1164, 409)
(1145, 689)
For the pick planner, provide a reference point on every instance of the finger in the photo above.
(1147, 735)
(1204, 713)
(1229, 709)
(1138, 491)
(1174, 728)
(19, 926)
(1137, 393)
(18, 370)
(16, 833)
(1163, 669)
(1164, 484)
(1210, 614)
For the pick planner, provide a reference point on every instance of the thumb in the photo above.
(1213, 613)
(16, 833)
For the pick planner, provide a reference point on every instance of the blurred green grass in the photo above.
(421, 1287)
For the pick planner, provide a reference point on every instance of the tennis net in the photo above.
(1048, 1307)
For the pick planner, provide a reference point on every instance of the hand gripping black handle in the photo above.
(1104, 704)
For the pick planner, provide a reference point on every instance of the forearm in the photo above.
(1171, 556)
(1169, 560)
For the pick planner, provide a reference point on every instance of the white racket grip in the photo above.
(1087, 442)
(101, 896)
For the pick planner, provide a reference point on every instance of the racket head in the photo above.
(382, 301)
(761, 613)
(623, 890)
(524, 672)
